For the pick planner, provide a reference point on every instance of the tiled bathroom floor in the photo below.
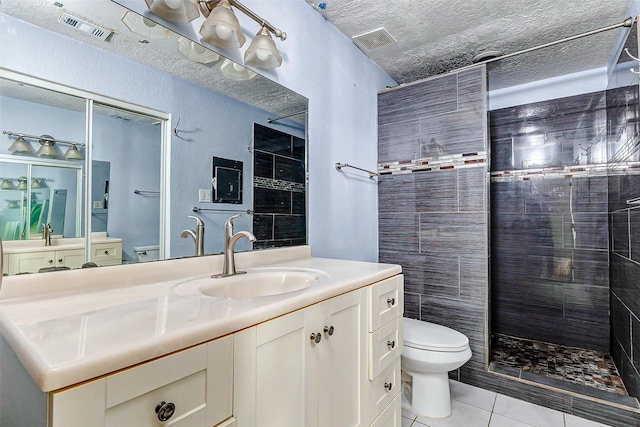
(475, 407)
(579, 366)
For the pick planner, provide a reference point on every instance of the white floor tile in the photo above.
(471, 395)
(500, 421)
(406, 422)
(573, 421)
(528, 413)
(462, 415)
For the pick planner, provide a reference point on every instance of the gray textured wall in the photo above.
(434, 222)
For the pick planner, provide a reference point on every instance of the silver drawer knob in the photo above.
(165, 410)
(316, 337)
(391, 301)
(329, 330)
(388, 386)
(391, 344)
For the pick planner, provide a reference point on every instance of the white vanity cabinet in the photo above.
(350, 376)
(191, 388)
(305, 368)
(31, 261)
(385, 300)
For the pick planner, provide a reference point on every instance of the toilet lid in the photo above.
(429, 336)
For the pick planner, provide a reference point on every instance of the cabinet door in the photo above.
(30, 262)
(270, 373)
(341, 362)
(73, 258)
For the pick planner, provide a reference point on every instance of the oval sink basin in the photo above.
(256, 283)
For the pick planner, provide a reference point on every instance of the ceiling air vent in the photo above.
(84, 26)
(373, 40)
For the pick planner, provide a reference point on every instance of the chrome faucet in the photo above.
(230, 240)
(197, 235)
(46, 234)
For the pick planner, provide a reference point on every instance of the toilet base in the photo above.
(434, 389)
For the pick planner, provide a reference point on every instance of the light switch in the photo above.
(204, 195)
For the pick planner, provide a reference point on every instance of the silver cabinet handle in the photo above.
(329, 330)
(165, 410)
(316, 337)
(391, 344)
(388, 386)
(391, 301)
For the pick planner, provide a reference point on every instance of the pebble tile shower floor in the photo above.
(579, 366)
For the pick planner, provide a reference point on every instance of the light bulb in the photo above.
(263, 54)
(223, 32)
(173, 4)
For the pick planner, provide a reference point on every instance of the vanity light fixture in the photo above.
(22, 183)
(195, 52)
(73, 153)
(236, 71)
(47, 148)
(47, 143)
(38, 183)
(262, 51)
(20, 146)
(7, 184)
(222, 25)
(221, 28)
(145, 27)
(174, 10)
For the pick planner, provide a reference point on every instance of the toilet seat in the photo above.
(429, 336)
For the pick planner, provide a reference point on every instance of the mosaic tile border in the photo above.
(278, 184)
(600, 169)
(433, 164)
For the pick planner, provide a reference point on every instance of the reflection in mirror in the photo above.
(196, 135)
(42, 196)
(128, 147)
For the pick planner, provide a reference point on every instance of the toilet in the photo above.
(147, 253)
(429, 352)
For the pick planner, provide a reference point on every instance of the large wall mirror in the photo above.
(136, 171)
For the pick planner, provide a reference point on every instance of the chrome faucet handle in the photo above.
(228, 227)
(229, 222)
(198, 220)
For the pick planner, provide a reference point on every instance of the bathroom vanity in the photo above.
(29, 256)
(297, 341)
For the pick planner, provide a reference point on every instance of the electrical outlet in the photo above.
(98, 204)
(204, 195)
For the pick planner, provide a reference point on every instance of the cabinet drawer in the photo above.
(384, 388)
(106, 253)
(391, 416)
(386, 301)
(187, 394)
(384, 347)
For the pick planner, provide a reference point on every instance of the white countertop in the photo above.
(70, 326)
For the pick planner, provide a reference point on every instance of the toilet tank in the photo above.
(147, 253)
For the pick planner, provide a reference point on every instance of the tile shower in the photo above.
(544, 236)
(279, 200)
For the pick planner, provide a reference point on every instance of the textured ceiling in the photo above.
(433, 36)
(436, 36)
